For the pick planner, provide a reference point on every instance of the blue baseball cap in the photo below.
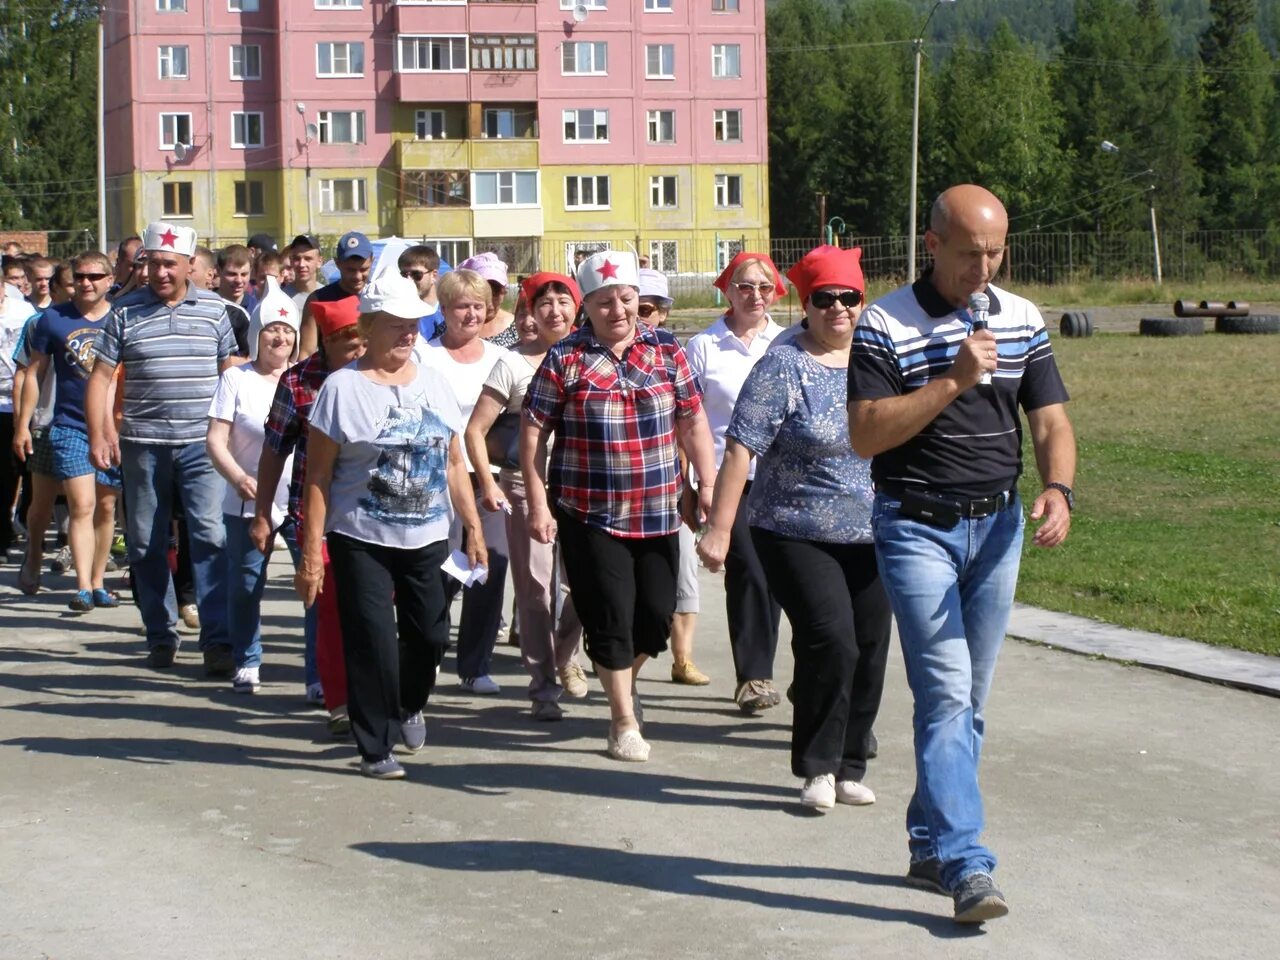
(353, 244)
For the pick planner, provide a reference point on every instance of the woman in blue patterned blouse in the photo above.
(809, 511)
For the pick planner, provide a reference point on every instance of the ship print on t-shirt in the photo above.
(410, 485)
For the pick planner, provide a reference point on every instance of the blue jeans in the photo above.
(310, 617)
(951, 592)
(154, 476)
(246, 578)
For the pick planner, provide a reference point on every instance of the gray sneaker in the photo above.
(413, 729)
(977, 899)
(926, 875)
(388, 768)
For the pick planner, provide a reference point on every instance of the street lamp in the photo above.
(918, 43)
(1108, 147)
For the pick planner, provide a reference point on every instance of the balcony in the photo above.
(482, 154)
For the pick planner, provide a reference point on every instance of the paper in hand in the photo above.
(457, 566)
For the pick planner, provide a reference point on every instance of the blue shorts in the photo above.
(41, 459)
(70, 455)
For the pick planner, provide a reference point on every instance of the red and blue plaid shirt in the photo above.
(286, 424)
(614, 463)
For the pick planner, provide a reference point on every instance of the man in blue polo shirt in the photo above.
(172, 340)
(354, 257)
(935, 382)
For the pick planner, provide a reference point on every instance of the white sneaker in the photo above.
(854, 793)
(246, 680)
(315, 694)
(819, 793)
(485, 684)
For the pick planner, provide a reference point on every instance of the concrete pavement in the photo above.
(145, 814)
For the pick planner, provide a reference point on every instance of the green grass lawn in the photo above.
(1177, 525)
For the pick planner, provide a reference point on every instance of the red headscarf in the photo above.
(334, 315)
(531, 284)
(828, 266)
(726, 277)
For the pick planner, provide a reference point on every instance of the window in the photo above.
(585, 56)
(586, 125)
(726, 250)
(341, 126)
(662, 192)
(246, 61)
(436, 188)
(663, 255)
(242, 6)
(726, 60)
(451, 250)
(660, 61)
(728, 126)
(728, 190)
(504, 188)
(589, 4)
(657, 6)
(504, 52)
(173, 63)
(342, 59)
(330, 4)
(586, 193)
(177, 199)
(499, 123)
(436, 54)
(343, 196)
(250, 198)
(246, 129)
(175, 128)
(171, 6)
(662, 126)
(429, 125)
(724, 6)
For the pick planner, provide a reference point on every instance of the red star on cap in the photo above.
(609, 271)
(284, 311)
(168, 238)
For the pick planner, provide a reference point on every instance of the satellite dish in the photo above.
(181, 151)
(579, 12)
(313, 132)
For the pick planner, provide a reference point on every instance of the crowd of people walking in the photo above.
(408, 438)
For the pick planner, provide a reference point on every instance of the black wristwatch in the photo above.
(1063, 489)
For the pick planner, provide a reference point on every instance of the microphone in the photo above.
(979, 304)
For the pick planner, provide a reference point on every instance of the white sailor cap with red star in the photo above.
(608, 268)
(169, 238)
(276, 306)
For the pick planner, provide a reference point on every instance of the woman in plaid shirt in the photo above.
(619, 397)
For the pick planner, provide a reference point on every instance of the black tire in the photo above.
(1263, 323)
(1075, 323)
(1171, 326)
(1088, 325)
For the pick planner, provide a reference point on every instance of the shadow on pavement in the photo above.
(690, 876)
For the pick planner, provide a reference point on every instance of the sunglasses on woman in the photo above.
(747, 289)
(647, 310)
(825, 299)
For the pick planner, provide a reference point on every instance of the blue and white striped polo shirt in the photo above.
(171, 358)
(973, 448)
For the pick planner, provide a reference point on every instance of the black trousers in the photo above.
(753, 611)
(624, 590)
(10, 476)
(395, 626)
(840, 619)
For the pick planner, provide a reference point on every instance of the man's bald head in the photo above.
(966, 238)
(969, 206)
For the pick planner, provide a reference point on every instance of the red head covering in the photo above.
(334, 315)
(726, 277)
(530, 286)
(828, 266)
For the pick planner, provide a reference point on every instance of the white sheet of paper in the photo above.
(456, 567)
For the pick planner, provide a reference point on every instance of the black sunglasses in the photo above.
(416, 274)
(825, 299)
(95, 277)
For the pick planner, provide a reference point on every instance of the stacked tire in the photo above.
(1076, 323)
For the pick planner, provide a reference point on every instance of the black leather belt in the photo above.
(970, 509)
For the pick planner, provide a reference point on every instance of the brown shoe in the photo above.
(756, 695)
(687, 672)
(574, 680)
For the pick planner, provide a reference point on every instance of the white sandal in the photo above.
(629, 746)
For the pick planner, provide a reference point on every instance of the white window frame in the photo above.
(339, 4)
(589, 4)
(599, 52)
(171, 142)
(723, 193)
(248, 191)
(352, 46)
(325, 124)
(512, 185)
(720, 61)
(178, 185)
(497, 113)
(457, 248)
(576, 117)
(242, 6)
(583, 180)
(422, 120)
(725, 6)
(658, 6)
(167, 53)
(245, 142)
(720, 125)
(653, 126)
(658, 191)
(658, 259)
(465, 59)
(359, 191)
(171, 6)
(726, 250)
(244, 49)
(670, 72)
